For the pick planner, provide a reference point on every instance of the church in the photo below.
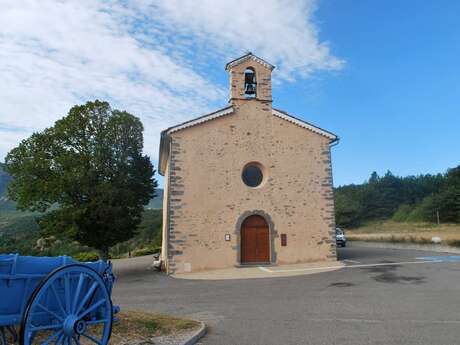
(248, 184)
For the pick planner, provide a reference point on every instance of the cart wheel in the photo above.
(71, 306)
(13, 335)
(3, 336)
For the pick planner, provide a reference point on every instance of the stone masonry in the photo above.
(206, 199)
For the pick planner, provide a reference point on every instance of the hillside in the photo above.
(20, 234)
(19, 230)
(4, 180)
(8, 205)
(157, 202)
(423, 198)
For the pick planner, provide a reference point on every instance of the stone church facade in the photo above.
(248, 184)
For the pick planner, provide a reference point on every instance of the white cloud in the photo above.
(280, 31)
(143, 57)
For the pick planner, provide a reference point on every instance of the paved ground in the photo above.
(410, 301)
(263, 271)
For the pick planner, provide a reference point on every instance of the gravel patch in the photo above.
(170, 339)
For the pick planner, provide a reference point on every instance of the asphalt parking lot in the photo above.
(384, 296)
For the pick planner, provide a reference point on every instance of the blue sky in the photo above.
(383, 75)
(396, 103)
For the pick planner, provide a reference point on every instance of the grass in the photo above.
(405, 232)
(137, 325)
(132, 327)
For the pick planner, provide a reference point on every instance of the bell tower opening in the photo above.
(250, 79)
(250, 83)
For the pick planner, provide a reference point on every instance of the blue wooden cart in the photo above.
(55, 300)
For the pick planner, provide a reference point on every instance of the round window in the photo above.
(252, 175)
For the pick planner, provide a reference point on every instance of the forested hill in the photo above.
(411, 198)
(4, 180)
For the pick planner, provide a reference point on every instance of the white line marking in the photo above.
(395, 263)
(265, 269)
(352, 266)
(442, 322)
(300, 269)
(352, 261)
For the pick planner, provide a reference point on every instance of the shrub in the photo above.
(402, 213)
(454, 243)
(145, 251)
(86, 256)
(418, 214)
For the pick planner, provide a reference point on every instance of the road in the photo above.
(405, 301)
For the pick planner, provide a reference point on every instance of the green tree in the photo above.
(411, 198)
(88, 171)
(348, 206)
(448, 200)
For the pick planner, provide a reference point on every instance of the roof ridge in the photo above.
(249, 55)
(200, 119)
(304, 124)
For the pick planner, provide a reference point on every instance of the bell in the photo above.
(250, 89)
(249, 77)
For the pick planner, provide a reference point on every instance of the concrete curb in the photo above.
(197, 335)
(413, 246)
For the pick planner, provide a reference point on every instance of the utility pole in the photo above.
(437, 216)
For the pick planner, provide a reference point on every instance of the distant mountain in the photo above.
(157, 201)
(5, 178)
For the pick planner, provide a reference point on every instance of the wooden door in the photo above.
(255, 242)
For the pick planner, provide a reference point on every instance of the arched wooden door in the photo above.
(255, 241)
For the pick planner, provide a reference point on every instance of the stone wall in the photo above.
(208, 198)
(263, 79)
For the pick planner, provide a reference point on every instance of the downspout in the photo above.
(168, 204)
(332, 144)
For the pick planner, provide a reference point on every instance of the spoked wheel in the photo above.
(3, 340)
(70, 307)
(4, 336)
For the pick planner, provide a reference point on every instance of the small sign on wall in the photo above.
(227, 237)
(283, 240)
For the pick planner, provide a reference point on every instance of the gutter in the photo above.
(334, 142)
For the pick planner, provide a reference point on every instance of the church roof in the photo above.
(247, 57)
(165, 138)
(301, 123)
(165, 135)
(201, 119)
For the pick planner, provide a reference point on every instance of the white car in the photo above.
(340, 238)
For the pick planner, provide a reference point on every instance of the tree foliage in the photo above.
(88, 171)
(411, 198)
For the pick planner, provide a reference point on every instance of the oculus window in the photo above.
(252, 175)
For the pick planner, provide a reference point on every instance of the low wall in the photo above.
(122, 267)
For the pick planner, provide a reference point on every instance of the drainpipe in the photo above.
(334, 143)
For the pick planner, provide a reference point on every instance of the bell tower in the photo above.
(250, 78)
